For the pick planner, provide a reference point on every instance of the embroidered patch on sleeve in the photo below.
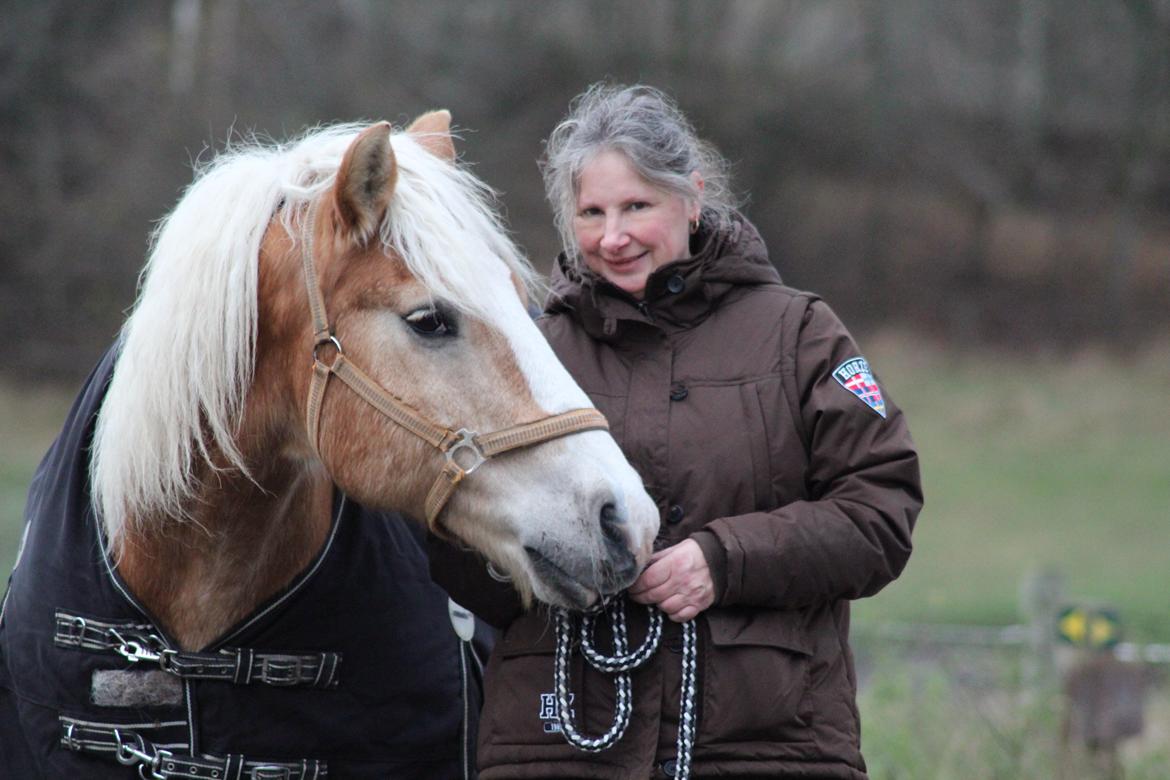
(854, 375)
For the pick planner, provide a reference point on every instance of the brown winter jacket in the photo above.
(720, 389)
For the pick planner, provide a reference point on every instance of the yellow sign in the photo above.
(1096, 628)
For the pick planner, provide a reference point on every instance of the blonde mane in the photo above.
(187, 349)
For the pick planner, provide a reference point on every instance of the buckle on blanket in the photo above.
(148, 648)
(281, 672)
(268, 772)
(133, 750)
(68, 740)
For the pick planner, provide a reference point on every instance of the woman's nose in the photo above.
(614, 237)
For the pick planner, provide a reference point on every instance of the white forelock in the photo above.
(187, 350)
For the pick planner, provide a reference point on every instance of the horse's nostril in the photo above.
(611, 524)
(617, 567)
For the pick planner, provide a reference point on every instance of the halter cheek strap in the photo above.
(465, 450)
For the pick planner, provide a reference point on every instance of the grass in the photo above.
(1040, 463)
(971, 717)
(29, 420)
(1058, 463)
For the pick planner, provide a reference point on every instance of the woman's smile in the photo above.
(627, 227)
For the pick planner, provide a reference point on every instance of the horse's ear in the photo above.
(365, 182)
(433, 132)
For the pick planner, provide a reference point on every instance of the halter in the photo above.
(464, 449)
(620, 664)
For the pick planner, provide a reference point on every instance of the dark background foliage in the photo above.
(985, 172)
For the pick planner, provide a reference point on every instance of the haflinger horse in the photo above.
(214, 581)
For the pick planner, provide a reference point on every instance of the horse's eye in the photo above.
(430, 322)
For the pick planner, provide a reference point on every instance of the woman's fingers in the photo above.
(656, 575)
(678, 581)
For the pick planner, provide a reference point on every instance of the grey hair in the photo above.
(646, 126)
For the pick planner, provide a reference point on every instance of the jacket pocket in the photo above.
(755, 676)
(757, 444)
(785, 451)
(519, 688)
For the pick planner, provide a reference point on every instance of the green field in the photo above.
(1049, 462)
(29, 419)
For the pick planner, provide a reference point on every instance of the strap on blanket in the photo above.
(125, 743)
(140, 642)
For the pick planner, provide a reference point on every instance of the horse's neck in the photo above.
(244, 542)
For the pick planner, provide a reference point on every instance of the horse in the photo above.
(329, 333)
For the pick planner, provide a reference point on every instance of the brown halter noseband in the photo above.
(464, 444)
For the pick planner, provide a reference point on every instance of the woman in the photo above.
(787, 480)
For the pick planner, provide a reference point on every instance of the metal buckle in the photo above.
(466, 441)
(77, 627)
(71, 742)
(271, 772)
(141, 648)
(281, 672)
(156, 769)
(134, 652)
(132, 751)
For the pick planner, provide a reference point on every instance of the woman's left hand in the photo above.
(678, 580)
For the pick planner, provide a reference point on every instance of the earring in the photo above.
(694, 225)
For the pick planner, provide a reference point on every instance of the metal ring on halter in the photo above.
(330, 339)
(466, 441)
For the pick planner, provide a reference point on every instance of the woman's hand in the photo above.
(678, 581)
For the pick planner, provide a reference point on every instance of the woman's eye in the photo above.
(638, 205)
(429, 322)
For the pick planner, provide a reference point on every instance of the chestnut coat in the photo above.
(756, 425)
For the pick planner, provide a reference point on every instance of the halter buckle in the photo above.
(466, 441)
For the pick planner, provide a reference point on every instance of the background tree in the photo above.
(989, 172)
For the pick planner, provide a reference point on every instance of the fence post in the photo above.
(1041, 597)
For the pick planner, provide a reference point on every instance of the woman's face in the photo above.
(626, 227)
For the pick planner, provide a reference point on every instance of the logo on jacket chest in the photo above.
(548, 712)
(854, 375)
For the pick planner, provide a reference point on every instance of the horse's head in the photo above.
(425, 296)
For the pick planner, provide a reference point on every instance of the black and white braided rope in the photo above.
(620, 664)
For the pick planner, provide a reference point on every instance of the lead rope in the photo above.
(620, 664)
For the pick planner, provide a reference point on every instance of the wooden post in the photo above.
(1041, 597)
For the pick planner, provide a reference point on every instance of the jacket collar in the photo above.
(678, 295)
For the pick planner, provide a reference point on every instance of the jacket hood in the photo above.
(680, 294)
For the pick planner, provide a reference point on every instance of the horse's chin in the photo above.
(565, 594)
(554, 584)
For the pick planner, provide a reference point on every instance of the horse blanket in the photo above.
(355, 670)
